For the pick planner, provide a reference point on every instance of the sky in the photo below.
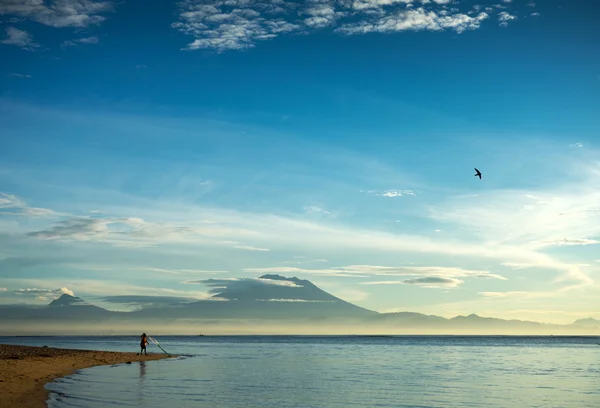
(149, 145)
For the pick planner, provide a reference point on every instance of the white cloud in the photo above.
(239, 24)
(416, 20)
(575, 145)
(58, 13)
(535, 14)
(19, 38)
(390, 193)
(504, 18)
(398, 193)
(375, 4)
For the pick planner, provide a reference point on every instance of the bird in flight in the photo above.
(478, 174)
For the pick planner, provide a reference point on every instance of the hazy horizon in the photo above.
(156, 159)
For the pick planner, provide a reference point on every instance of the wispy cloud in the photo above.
(498, 295)
(568, 241)
(225, 282)
(148, 301)
(434, 282)
(179, 271)
(20, 38)
(313, 209)
(13, 205)
(127, 231)
(426, 282)
(300, 260)
(17, 75)
(100, 288)
(375, 270)
(58, 13)
(85, 40)
(47, 293)
(239, 24)
(251, 248)
(575, 145)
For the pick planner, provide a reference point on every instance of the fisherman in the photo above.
(143, 344)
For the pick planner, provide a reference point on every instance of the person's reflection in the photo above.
(141, 382)
(142, 371)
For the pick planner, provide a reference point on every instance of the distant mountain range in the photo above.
(270, 304)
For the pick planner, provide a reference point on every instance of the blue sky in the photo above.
(149, 144)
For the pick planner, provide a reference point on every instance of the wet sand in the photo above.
(24, 370)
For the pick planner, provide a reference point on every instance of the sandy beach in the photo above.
(24, 370)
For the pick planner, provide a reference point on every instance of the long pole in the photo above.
(156, 342)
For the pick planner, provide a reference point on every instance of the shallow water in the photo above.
(336, 372)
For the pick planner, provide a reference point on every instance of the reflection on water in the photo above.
(140, 392)
(142, 371)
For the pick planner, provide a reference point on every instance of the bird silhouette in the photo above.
(478, 174)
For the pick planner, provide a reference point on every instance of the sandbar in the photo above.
(24, 370)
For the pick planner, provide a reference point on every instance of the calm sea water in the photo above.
(337, 372)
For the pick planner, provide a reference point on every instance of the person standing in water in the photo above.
(143, 344)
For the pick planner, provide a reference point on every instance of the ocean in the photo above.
(336, 372)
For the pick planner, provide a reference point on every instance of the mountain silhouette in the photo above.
(268, 300)
(267, 297)
(68, 300)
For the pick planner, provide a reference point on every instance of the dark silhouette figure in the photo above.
(143, 344)
(478, 174)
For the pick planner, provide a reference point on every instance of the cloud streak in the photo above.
(85, 40)
(434, 282)
(424, 275)
(426, 282)
(225, 282)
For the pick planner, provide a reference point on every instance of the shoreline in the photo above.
(25, 370)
